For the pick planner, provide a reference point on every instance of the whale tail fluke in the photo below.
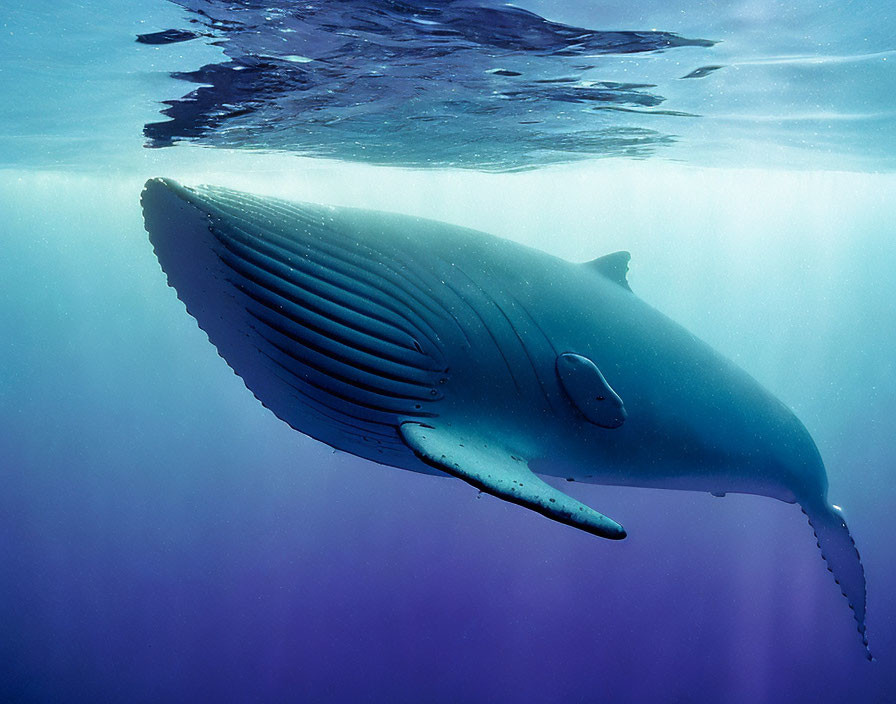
(842, 557)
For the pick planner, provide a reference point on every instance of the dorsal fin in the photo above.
(613, 266)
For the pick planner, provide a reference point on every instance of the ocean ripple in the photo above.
(458, 84)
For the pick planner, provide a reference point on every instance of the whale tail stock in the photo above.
(842, 557)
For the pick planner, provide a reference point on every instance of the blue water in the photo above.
(165, 538)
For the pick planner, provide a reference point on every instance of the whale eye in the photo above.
(589, 392)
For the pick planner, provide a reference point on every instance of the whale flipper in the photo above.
(494, 470)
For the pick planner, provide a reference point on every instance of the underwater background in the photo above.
(165, 538)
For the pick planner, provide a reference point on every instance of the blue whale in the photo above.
(439, 349)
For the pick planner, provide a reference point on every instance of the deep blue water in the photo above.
(165, 538)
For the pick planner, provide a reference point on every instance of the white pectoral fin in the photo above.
(492, 469)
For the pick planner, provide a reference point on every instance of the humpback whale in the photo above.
(438, 349)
